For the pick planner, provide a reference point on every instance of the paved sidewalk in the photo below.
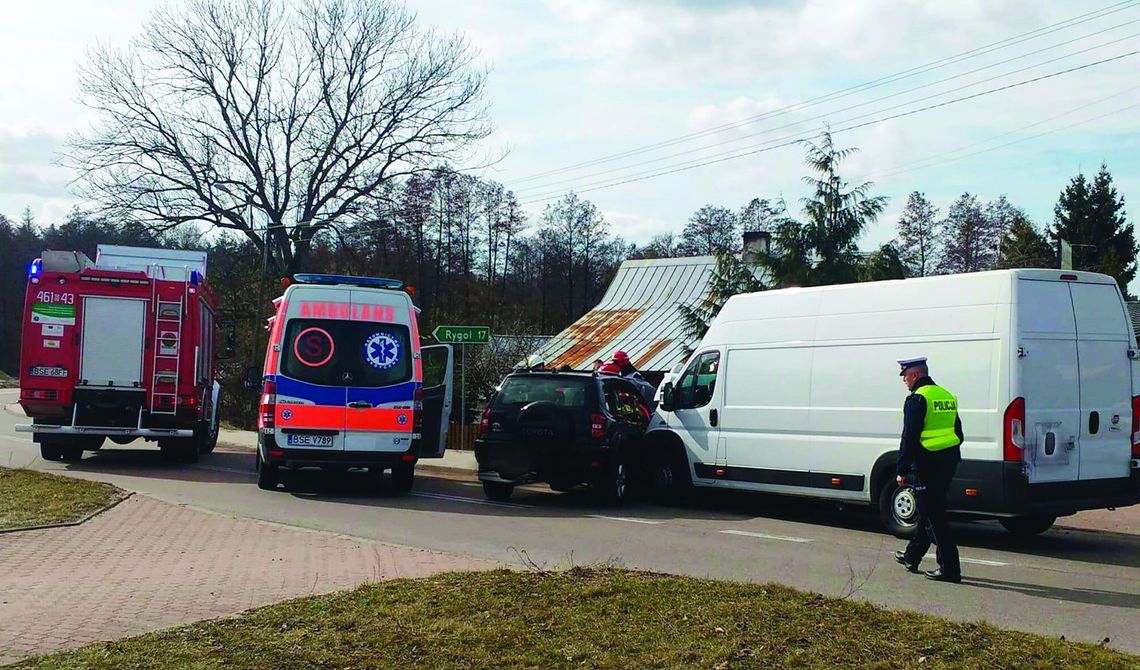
(146, 565)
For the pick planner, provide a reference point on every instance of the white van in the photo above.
(796, 391)
(347, 384)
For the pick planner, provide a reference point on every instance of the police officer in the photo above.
(930, 447)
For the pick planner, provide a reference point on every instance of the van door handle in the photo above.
(360, 404)
(1072, 443)
(712, 417)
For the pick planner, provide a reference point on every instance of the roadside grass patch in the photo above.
(31, 498)
(582, 618)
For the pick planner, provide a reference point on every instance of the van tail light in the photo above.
(485, 422)
(1013, 431)
(1136, 426)
(267, 408)
(597, 426)
(418, 411)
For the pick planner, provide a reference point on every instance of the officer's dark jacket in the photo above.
(911, 453)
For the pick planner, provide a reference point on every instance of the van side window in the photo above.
(695, 388)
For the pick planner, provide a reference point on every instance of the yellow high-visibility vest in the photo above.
(941, 415)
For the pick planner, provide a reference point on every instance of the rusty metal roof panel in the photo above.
(638, 314)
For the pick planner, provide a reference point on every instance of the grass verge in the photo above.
(581, 618)
(30, 498)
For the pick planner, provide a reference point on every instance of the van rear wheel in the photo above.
(403, 477)
(266, 475)
(498, 491)
(898, 509)
(1028, 526)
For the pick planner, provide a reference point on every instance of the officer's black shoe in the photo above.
(939, 576)
(900, 558)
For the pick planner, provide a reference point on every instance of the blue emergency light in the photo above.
(193, 277)
(366, 282)
(35, 268)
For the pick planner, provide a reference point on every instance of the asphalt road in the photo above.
(1080, 584)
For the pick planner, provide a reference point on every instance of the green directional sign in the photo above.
(462, 334)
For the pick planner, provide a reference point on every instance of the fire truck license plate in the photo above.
(41, 371)
(309, 440)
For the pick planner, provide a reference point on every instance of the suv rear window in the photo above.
(524, 389)
(346, 353)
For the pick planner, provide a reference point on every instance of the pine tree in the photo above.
(1091, 217)
(918, 235)
(970, 237)
(1023, 246)
(884, 263)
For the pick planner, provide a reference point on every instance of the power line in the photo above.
(547, 186)
(882, 81)
(683, 168)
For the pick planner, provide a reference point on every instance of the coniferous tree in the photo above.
(970, 237)
(918, 235)
(1091, 217)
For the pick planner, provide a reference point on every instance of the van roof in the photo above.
(348, 280)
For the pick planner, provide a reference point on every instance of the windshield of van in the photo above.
(346, 353)
(523, 389)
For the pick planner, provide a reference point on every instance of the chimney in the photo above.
(757, 244)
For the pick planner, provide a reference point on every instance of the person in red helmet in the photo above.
(609, 369)
(621, 359)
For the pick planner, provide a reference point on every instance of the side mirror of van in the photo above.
(667, 397)
(253, 379)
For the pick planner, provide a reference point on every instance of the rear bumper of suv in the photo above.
(576, 463)
(1002, 489)
(297, 457)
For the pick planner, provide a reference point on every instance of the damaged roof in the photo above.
(638, 315)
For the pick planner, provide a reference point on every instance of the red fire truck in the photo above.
(121, 348)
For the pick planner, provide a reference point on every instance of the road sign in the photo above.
(462, 334)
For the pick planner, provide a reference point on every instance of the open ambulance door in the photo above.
(439, 374)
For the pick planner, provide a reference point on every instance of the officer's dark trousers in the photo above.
(935, 471)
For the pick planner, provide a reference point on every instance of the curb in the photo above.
(67, 524)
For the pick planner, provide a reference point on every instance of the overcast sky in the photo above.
(578, 80)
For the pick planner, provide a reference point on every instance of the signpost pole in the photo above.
(463, 394)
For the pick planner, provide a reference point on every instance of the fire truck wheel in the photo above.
(51, 452)
(72, 454)
(206, 437)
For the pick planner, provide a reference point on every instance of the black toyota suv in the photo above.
(563, 428)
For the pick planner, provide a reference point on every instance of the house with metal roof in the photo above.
(1134, 317)
(637, 315)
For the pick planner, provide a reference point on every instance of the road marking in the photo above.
(473, 501)
(765, 536)
(649, 522)
(978, 561)
(221, 469)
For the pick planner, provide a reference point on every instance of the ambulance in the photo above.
(346, 383)
(120, 348)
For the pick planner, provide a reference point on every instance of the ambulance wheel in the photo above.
(206, 436)
(51, 452)
(498, 491)
(898, 509)
(1027, 526)
(266, 475)
(403, 477)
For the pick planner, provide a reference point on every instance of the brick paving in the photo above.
(147, 565)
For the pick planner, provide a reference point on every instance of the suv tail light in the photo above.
(418, 411)
(485, 422)
(267, 408)
(1013, 431)
(597, 426)
(1136, 426)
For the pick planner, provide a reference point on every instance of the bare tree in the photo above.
(918, 234)
(291, 113)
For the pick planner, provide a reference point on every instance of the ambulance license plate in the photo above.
(41, 371)
(309, 440)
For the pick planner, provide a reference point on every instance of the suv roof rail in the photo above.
(332, 280)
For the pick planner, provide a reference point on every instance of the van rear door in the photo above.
(310, 393)
(1103, 341)
(1050, 380)
(439, 373)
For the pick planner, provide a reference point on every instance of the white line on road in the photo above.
(978, 561)
(473, 501)
(626, 518)
(765, 536)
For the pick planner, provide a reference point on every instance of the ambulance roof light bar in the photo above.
(366, 282)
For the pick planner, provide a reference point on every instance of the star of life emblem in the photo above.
(382, 351)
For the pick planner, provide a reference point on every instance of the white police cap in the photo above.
(905, 363)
